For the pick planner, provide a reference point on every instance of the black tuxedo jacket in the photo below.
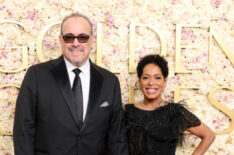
(45, 119)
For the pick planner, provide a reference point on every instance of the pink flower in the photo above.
(56, 4)
(11, 76)
(32, 15)
(205, 68)
(188, 34)
(140, 53)
(193, 37)
(173, 1)
(49, 44)
(175, 79)
(114, 51)
(167, 98)
(225, 98)
(2, 7)
(217, 127)
(110, 19)
(122, 3)
(3, 55)
(196, 59)
(94, 24)
(10, 14)
(216, 3)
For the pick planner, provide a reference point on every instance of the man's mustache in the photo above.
(76, 48)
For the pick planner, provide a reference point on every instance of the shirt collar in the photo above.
(85, 69)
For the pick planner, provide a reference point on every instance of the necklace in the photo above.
(155, 106)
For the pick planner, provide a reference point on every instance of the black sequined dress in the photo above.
(157, 132)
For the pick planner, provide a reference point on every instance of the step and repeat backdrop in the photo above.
(195, 36)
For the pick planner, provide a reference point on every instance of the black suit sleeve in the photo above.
(24, 123)
(116, 137)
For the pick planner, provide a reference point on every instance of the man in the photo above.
(62, 112)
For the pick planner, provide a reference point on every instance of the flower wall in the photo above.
(22, 22)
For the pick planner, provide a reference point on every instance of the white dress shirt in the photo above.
(85, 81)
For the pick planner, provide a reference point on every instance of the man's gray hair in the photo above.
(77, 15)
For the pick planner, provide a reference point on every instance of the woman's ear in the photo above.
(138, 84)
(165, 84)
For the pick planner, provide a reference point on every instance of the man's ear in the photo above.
(92, 39)
(60, 38)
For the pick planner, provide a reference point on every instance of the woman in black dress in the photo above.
(155, 127)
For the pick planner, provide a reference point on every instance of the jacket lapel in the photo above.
(94, 92)
(61, 76)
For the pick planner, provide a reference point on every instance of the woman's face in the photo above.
(152, 82)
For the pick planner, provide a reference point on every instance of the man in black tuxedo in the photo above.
(62, 110)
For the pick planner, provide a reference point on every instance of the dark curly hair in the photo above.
(152, 59)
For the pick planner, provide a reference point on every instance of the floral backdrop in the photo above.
(116, 16)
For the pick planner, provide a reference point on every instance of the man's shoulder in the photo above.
(46, 65)
(104, 72)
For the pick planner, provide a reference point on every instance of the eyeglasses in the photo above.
(82, 38)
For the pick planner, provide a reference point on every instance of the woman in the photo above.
(155, 127)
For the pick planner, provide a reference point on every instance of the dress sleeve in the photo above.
(181, 119)
(190, 119)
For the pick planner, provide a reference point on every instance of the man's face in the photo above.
(75, 52)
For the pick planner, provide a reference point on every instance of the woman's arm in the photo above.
(206, 135)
